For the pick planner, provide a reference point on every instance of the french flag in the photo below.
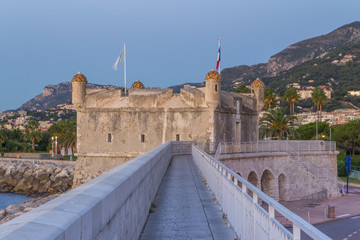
(218, 59)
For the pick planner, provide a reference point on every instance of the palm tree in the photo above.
(292, 97)
(319, 98)
(276, 124)
(66, 132)
(269, 99)
(32, 133)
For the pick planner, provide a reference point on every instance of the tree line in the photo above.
(32, 139)
(276, 124)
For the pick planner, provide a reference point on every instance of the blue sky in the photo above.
(168, 42)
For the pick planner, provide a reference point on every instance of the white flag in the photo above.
(119, 59)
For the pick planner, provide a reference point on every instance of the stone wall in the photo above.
(113, 206)
(126, 125)
(287, 177)
(35, 177)
(89, 167)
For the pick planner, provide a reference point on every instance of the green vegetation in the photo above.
(276, 124)
(347, 135)
(308, 131)
(319, 98)
(351, 180)
(32, 133)
(32, 139)
(291, 96)
(51, 115)
(242, 89)
(270, 101)
(67, 158)
(66, 133)
(330, 70)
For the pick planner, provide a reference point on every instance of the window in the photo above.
(142, 138)
(109, 139)
(215, 88)
(177, 137)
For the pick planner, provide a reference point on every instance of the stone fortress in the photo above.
(113, 128)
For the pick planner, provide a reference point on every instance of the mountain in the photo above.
(54, 95)
(293, 55)
(339, 70)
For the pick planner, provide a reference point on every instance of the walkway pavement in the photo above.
(184, 207)
(345, 206)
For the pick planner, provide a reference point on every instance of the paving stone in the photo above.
(185, 209)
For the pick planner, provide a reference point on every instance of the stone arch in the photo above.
(269, 185)
(253, 179)
(282, 187)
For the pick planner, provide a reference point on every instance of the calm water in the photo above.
(7, 199)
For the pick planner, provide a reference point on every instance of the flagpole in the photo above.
(219, 61)
(125, 67)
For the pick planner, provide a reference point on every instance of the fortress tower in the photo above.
(257, 88)
(213, 88)
(79, 82)
(212, 99)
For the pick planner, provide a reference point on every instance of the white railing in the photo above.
(277, 146)
(247, 217)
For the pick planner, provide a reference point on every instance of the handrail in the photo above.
(227, 174)
(276, 146)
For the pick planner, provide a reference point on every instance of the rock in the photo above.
(20, 186)
(41, 174)
(12, 209)
(2, 214)
(35, 178)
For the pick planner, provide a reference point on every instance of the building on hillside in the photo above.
(354, 93)
(112, 128)
(337, 117)
(306, 93)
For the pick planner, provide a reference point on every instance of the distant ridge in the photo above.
(293, 55)
(54, 95)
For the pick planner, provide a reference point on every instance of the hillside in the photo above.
(339, 70)
(54, 95)
(293, 55)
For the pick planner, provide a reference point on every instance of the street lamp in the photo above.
(56, 144)
(52, 147)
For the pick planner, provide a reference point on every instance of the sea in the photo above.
(7, 199)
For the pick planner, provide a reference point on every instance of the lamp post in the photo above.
(317, 119)
(52, 147)
(56, 144)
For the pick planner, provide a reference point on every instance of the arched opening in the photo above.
(268, 184)
(282, 187)
(253, 179)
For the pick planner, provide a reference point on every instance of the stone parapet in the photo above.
(113, 206)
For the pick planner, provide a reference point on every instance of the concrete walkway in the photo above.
(184, 207)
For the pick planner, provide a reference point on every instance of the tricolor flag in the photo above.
(119, 59)
(218, 59)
